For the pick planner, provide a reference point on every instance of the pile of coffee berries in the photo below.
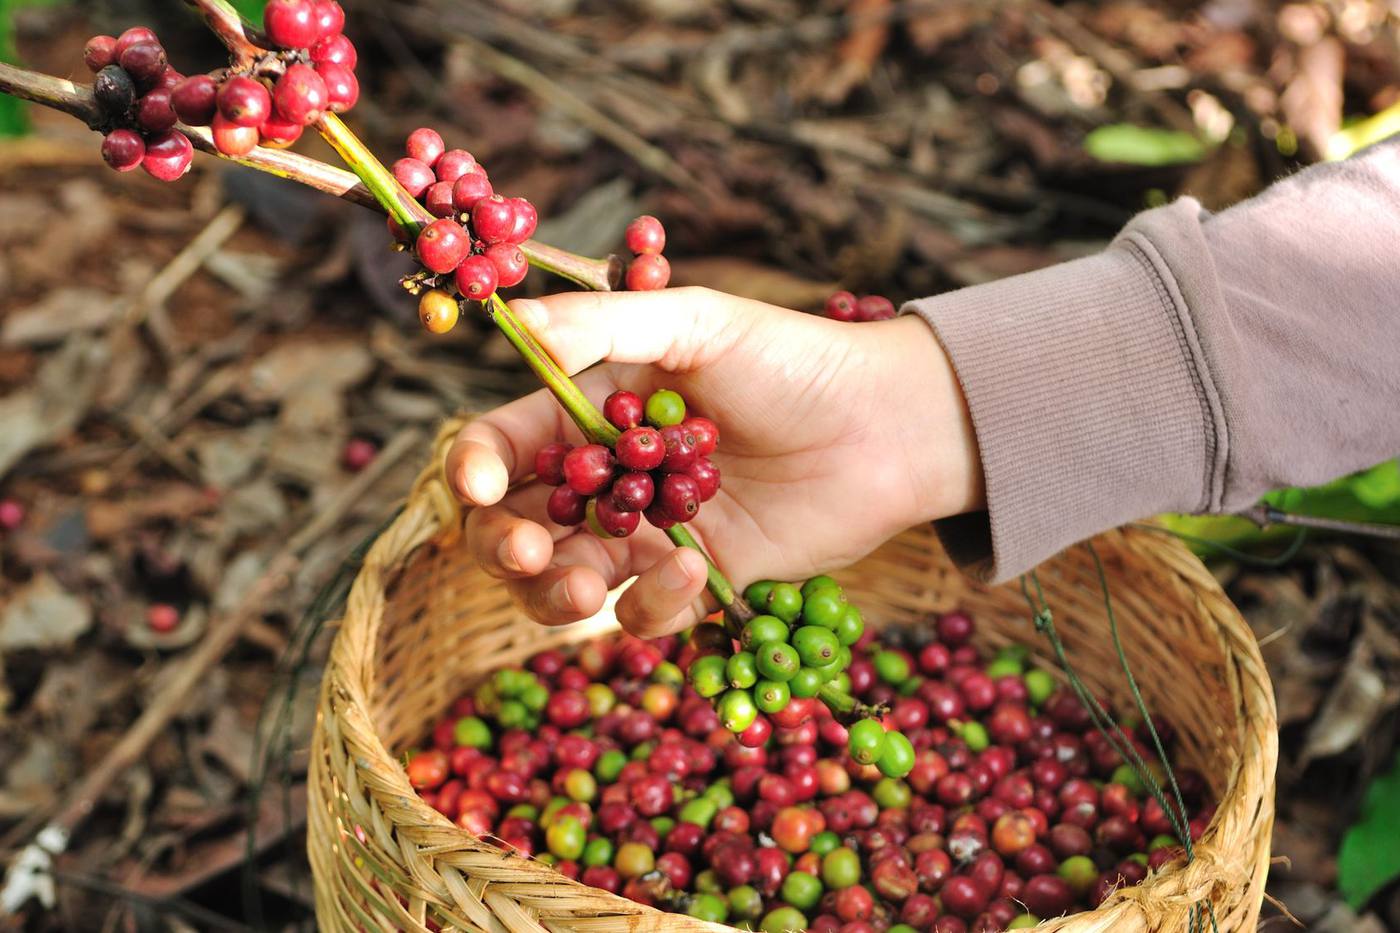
(660, 467)
(649, 270)
(844, 306)
(605, 764)
(311, 73)
(473, 247)
(134, 86)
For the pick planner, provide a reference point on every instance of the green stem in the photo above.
(396, 201)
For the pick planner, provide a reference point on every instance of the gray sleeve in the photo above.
(1198, 362)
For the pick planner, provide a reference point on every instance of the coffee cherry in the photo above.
(566, 507)
(232, 139)
(425, 144)
(633, 492)
(131, 37)
(300, 95)
(477, 278)
(736, 710)
(168, 155)
(144, 61)
(866, 742)
(706, 476)
(291, 24)
(841, 307)
(646, 235)
(613, 522)
(438, 199)
(168, 79)
(194, 100)
(679, 497)
(342, 88)
(623, 409)
(123, 150)
(414, 175)
(549, 463)
(526, 219)
(493, 219)
(336, 50)
(588, 469)
(874, 308)
(706, 434)
(162, 618)
(511, 264)
(244, 102)
(114, 90)
(469, 189)
(99, 52)
(437, 310)
(358, 453)
(641, 448)
(154, 113)
(442, 245)
(330, 17)
(455, 163)
(648, 273)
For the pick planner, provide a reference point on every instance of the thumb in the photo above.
(678, 329)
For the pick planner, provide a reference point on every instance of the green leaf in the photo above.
(1378, 487)
(251, 10)
(1143, 145)
(1369, 858)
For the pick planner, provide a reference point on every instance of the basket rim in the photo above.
(433, 515)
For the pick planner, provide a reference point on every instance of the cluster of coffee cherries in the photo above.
(134, 86)
(844, 306)
(660, 467)
(649, 270)
(473, 247)
(604, 763)
(800, 642)
(312, 73)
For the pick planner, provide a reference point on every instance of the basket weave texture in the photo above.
(423, 624)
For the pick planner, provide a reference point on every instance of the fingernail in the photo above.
(559, 595)
(673, 575)
(533, 314)
(506, 555)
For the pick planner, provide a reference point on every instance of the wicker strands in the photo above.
(423, 624)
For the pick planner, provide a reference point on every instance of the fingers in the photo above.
(561, 595)
(497, 450)
(666, 597)
(507, 545)
(679, 329)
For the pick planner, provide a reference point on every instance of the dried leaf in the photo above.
(1350, 710)
(60, 398)
(59, 313)
(330, 365)
(41, 614)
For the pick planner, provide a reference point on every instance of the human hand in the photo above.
(833, 438)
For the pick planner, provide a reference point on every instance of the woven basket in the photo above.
(423, 623)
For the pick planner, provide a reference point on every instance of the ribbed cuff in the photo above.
(1087, 399)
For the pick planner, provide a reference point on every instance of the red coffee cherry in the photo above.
(330, 17)
(244, 102)
(614, 522)
(168, 155)
(566, 507)
(195, 100)
(641, 448)
(162, 618)
(588, 469)
(706, 434)
(154, 113)
(438, 199)
(336, 50)
(144, 61)
(875, 308)
(442, 245)
(291, 24)
(649, 272)
(477, 278)
(706, 476)
(549, 463)
(624, 409)
(342, 88)
(646, 235)
(511, 264)
(132, 36)
(99, 52)
(493, 219)
(679, 497)
(468, 189)
(232, 139)
(414, 175)
(300, 95)
(455, 163)
(123, 149)
(277, 133)
(425, 144)
(633, 492)
(841, 307)
(526, 219)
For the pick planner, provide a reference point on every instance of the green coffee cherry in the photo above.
(708, 675)
(1039, 686)
(784, 601)
(762, 629)
(897, 758)
(741, 670)
(816, 646)
(665, 408)
(777, 660)
(824, 608)
(757, 594)
(850, 626)
(806, 682)
(737, 710)
(866, 741)
(771, 696)
(820, 582)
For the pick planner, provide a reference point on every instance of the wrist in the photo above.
(941, 442)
